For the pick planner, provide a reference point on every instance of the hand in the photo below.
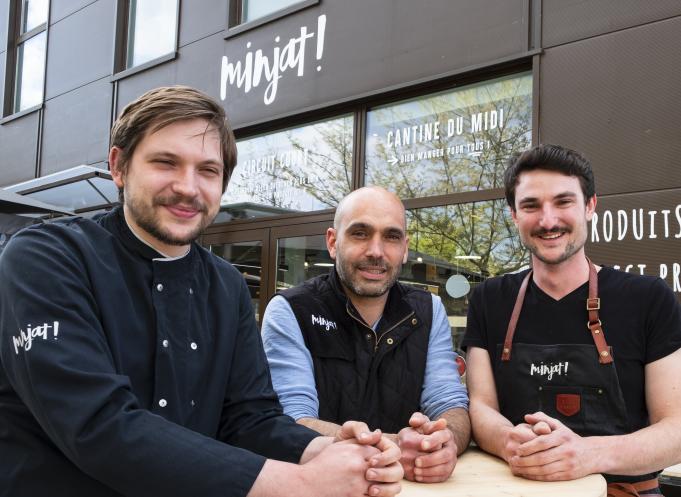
(384, 468)
(339, 471)
(560, 454)
(428, 449)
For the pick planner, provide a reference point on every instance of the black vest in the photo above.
(375, 377)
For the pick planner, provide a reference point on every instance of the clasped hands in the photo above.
(428, 449)
(545, 449)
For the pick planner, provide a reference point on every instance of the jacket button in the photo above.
(163, 402)
(414, 321)
(191, 292)
(193, 346)
(368, 335)
(390, 341)
(165, 343)
(159, 287)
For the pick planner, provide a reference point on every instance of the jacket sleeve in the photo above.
(252, 416)
(56, 358)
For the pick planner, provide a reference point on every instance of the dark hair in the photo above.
(549, 158)
(163, 106)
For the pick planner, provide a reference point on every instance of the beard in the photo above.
(347, 273)
(571, 247)
(146, 218)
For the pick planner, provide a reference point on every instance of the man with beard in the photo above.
(131, 361)
(356, 344)
(573, 368)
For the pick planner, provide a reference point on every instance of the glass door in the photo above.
(247, 251)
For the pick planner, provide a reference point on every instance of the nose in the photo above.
(548, 216)
(185, 182)
(375, 246)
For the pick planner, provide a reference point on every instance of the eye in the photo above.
(210, 171)
(359, 234)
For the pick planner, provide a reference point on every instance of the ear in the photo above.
(406, 250)
(115, 166)
(331, 242)
(591, 207)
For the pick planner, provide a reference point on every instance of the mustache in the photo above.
(554, 230)
(373, 263)
(180, 200)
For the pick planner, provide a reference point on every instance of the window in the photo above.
(300, 169)
(450, 142)
(27, 43)
(247, 14)
(147, 31)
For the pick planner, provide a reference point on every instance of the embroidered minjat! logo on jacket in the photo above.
(24, 340)
(548, 370)
(322, 321)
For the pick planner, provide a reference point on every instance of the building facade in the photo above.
(428, 99)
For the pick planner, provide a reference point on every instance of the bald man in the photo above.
(357, 344)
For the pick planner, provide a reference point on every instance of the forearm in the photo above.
(645, 451)
(489, 427)
(459, 424)
(278, 479)
(326, 428)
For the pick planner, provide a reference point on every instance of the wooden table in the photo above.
(478, 474)
(671, 476)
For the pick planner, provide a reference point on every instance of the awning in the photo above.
(12, 203)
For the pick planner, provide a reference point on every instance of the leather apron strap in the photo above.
(593, 304)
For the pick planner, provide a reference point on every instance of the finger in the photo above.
(441, 471)
(541, 428)
(435, 440)
(536, 417)
(522, 433)
(433, 426)
(540, 444)
(390, 453)
(539, 458)
(384, 489)
(355, 430)
(388, 474)
(417, 419)
(553, 471)
(442, 456)
(431, 479)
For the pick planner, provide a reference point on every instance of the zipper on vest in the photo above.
(377, 339)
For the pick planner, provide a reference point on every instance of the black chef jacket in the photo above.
(124, 373)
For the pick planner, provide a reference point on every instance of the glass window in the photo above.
(296, 170)
(30, 72)
(246, 257)
(254, 9)
(449, 142)
(300, 258)
(453, 248)
(29, 29)
(152, 28)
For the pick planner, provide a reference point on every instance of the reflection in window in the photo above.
(453, 248)
(246, 257)
(29, 29)
(450, 142)
(300, 258)
(296, 170)
(254, 9)
(152, 26)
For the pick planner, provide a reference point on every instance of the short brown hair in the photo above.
(163, 106)
(549, 158)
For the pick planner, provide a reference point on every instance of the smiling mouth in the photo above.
(550, 236)
(182, 212)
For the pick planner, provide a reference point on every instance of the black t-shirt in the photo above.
(640, 314)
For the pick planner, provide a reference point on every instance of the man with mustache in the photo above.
(356, 344)
(131, 360)
(573, 368)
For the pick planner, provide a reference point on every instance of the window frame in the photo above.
(235, 26)
(121, 45)
(15, 39)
